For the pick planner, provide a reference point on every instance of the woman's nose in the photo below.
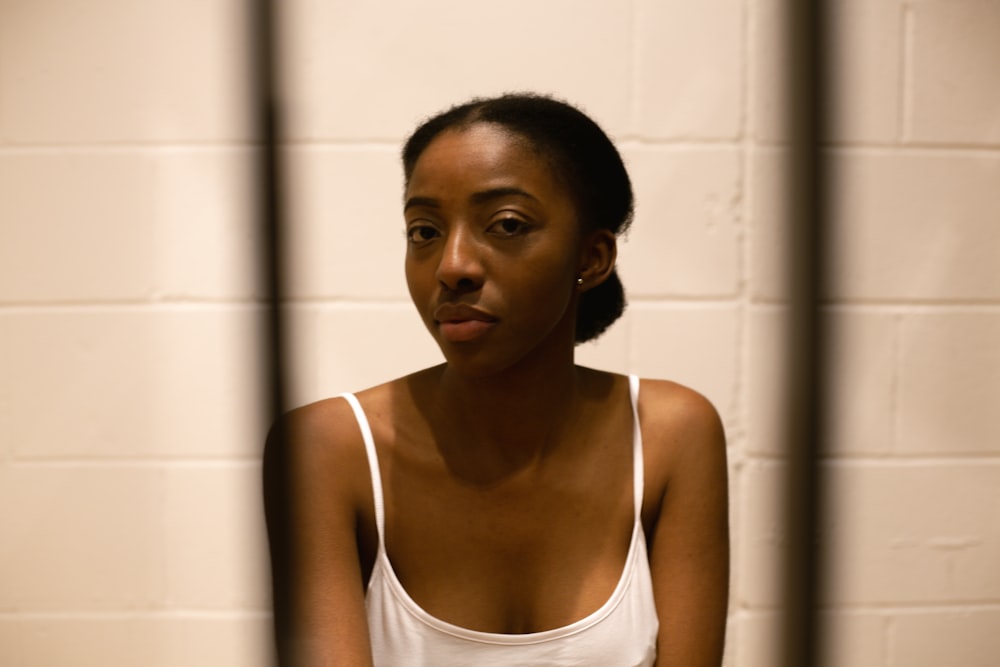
(460, 268)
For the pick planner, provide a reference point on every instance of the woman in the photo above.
(506, 507)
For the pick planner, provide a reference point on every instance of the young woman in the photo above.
(506, 507)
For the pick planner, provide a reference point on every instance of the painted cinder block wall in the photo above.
(130, 415)
(129, 411)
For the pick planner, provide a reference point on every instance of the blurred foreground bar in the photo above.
(264, 30)
(806, 216)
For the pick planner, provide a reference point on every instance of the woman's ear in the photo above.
(597, 258)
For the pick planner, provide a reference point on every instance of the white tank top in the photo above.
(622, 633)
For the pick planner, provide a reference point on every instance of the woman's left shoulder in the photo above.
(680, 427)
(671, 406)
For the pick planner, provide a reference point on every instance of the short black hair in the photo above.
(580, 153)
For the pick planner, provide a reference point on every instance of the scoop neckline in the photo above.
(399, 592)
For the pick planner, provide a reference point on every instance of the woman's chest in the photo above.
(533, 553)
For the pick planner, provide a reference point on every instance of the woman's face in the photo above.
(493, 250)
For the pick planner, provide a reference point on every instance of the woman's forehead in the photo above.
(481, 150)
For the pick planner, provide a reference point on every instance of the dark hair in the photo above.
(581, 155)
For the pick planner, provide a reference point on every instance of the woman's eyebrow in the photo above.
(421, 201)
(496, 193)
(477, 198)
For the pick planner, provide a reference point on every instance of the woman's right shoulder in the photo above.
(322, 430)
(328, 434)
(320, 446)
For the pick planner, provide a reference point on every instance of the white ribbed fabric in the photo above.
(622, 633)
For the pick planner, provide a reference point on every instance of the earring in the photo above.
(579, 281)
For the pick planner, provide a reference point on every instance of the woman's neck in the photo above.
(490, 428)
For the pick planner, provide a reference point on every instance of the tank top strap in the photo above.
(366, 434)
(638, 474)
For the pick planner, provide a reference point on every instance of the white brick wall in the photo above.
(130, 422)
(912, 537)
(129, 411)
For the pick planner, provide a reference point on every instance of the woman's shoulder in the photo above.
(317, 449)
(681, 429)
(325, 438)
(669, 412)
(667, 403)
(331, 424)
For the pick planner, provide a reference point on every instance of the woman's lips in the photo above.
(464, 330)
(460, 323)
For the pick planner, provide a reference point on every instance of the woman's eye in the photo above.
(509, 227)
(420, 233)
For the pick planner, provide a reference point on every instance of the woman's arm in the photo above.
(689, 554)
(315, 480)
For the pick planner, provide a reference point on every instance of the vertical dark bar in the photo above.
(806, 192)
(264, 31)
(267, 128)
